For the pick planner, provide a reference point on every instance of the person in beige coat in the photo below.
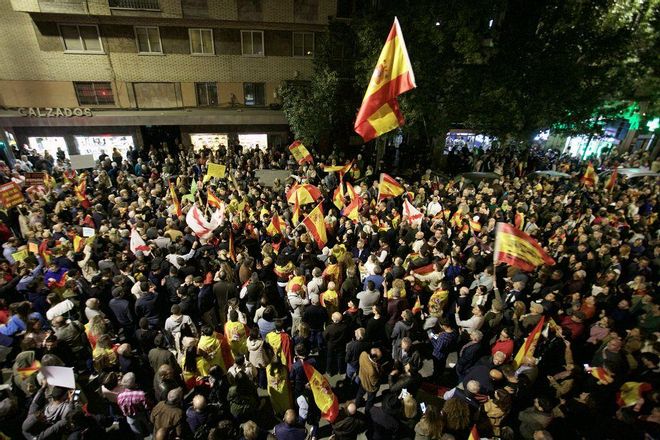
(258, 356)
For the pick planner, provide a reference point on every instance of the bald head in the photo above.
(336, 317)
(290, 417)
(351, 409)
(199, 402)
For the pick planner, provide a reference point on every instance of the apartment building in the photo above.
(92, 75)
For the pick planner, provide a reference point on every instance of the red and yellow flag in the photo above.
(417, 307)
(529, 345)
(324, 398)
(276, 226)
(306, 194)
(519, 220)
(212, 200)
(388, 187)
(474, 434)
(232, 248)
(338, 196)
(81, 191)
(300, 153)
(175, 201)
(631, 393)
(352, 210)
(589, 178)
(515, 248)
(609, 186)
(316, 226)
(342, 169)
(351, 191)
(392, 76)
(603, 376)
(296, 210)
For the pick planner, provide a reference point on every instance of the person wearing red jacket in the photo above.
(504, 344)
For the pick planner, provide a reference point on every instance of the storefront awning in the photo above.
(13, 118)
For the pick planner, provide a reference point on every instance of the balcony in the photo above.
(142, 5)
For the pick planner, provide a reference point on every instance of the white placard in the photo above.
(59, 376)
(88, 232)
(82, 161)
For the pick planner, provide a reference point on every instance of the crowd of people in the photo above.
(411, 321)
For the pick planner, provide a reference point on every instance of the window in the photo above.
(81, 38)
(94, 93)
(303, 44)
(254, 93)
(252, 43)
(207, 94)
(201, 41)
(148, 39)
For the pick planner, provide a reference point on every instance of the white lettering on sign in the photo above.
(54, 112)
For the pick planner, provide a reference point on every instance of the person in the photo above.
(369, 374)
(351, 425)
(168, 415)
(279, 389)
(198, 416)
(134, 405)
(443, 343)
(336, 336)
(289, 429)
(431, 424)
(47, 417)
(535, 418)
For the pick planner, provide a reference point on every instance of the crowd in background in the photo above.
(202, 338)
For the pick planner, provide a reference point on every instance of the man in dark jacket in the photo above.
(469, 354)
(123, 312)
(147, 305)
(350, 426)
(336, 337)
(289, 428)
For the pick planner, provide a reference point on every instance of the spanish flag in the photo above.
(315, 224)
(589, 178)
(352, 210)
(515, 248)
(519, 220)
(275, 226)
(175, 201)
(631, 393)
(388, 187)
(342, 169)
(338, 197)
(417, 307)
(609, 186)
(78, 243)
(296, 210)
(392, 76)
(474, 434)
(300, 153)
(351, 191)
(81, 192)
(603, 376)
(280, 342)
(232, 248)
(212, 199)
(529, 345)
(324, 398)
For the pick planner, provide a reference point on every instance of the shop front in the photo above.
(99, 132)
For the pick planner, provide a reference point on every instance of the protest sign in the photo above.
(10, 195)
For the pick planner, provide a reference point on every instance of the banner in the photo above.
(10, 195)
(324, 398)
(215, 170)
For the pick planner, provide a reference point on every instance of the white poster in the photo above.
(82, 161)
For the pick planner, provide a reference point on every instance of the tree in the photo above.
(321, 111)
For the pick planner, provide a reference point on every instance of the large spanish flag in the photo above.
(529, 345)
(300, 153)
(324, 398)
(388, 187)
(81, 192)
(516, 248)
(392, 76)
(315, 224)
(589, 178)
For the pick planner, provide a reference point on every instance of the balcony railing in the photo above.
(144, 5)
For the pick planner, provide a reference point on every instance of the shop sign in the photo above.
(54, 112)
(32, 179)
(10, 195)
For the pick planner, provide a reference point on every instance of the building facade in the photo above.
(87, 75)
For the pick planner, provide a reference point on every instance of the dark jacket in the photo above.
(469, 356)
(336, 336)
